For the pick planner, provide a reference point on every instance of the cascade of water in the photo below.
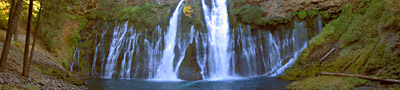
(98, 50)
(182, 44)
(318, 23)
(165, 70)
(217, 23)
(246, 42)
(115, 49)
(220, 53)
(153, 53)
(201, 53)
(273, 53)
(75, 57)
(295, 44)
(128, 55)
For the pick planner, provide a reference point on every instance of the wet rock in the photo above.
(2, 81)
(41, 83)
(11, 79)
(83, 88)
(44, 88)
(17, 81)
(283, 8)
(58, 84)
(30, 79)
(85, 83)
(5, 81)
(189, 70)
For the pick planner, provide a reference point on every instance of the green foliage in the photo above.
(8, 87)
(327, 83)
(143, 15)
(302, 14)
(324, 14)
(366, 47)
(65, 64)
(305, 14)
(53, 16)
(102, 13)
(253, 15)
(4, 9)
(17, 44)
(250, 14)
(33, 87)
(54, 73)
(82, 24)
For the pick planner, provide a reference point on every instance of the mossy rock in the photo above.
(365, 46)
(327, 83)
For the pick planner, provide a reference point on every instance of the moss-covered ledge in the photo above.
(241, 13)
(365, 37)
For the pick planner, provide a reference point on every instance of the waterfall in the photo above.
(183, 43)
(119, 33)
(214, 52)
(217, 23)
(293, 45)
(98, 51)
(248, 56)
(166, 69)
(128, 55)
(153, 53)
(75, 57)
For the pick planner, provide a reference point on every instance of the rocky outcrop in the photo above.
(283, 8)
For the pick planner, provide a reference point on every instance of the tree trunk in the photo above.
(27, 41)
(15, 13)
(16, 32)
(35, 34)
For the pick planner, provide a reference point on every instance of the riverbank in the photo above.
(43, 73)
(363, 40)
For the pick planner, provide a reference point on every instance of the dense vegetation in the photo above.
(246, 14)
(365, 41)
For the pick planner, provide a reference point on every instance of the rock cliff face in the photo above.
(273, 8)
(283, 8)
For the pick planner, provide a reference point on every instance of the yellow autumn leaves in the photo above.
(187, 10)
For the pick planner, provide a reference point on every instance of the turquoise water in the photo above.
(254, 83)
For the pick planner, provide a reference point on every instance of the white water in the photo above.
(248, 47)
(128, 55)
(119, 33)
(219, 52)
(183, 43)
(219, 58)
(295, 44)
(166, 69)
(153, 54)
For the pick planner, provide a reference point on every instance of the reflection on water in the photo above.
(254, 83)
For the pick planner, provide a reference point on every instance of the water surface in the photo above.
(254, 83)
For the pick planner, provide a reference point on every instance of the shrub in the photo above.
(187, 10)
(302, 14)
(75, 38)
(250, 14)
(4, 9)
(142, 15)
